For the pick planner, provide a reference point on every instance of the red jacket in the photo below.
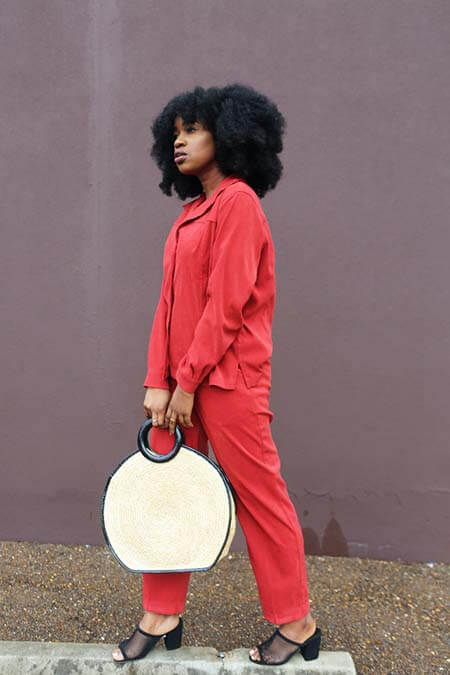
(217, 294)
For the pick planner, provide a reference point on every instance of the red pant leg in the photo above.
(237, 423)
(165, 592)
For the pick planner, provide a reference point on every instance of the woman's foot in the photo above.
(299, 631)
(156, 624)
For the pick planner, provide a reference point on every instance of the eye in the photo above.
(190, 127)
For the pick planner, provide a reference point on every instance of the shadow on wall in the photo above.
(333, 540)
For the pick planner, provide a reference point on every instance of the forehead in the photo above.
(179, 121)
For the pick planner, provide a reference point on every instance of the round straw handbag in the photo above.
(168, 513)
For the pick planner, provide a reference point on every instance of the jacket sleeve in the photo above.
(157, 371)
(235, 257)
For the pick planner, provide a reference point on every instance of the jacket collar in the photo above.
(200, 205)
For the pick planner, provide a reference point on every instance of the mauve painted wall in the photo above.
(360, 220)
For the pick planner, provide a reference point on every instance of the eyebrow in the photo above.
(185, 124)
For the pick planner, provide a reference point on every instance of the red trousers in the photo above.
(237, 424)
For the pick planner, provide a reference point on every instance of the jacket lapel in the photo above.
(196, 208)
(192, 210)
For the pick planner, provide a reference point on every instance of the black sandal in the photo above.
(143, 642)
(309, 648)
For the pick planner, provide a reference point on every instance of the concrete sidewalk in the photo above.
(55, 658)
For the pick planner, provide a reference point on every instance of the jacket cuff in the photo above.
(186, 383)
(156, 381)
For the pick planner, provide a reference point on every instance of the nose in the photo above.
(178, 141)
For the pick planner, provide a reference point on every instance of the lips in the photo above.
(179, 153)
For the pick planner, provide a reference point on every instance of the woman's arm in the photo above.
(236, 252)
(157, 366)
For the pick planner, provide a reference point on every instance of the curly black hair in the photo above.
(247, 130)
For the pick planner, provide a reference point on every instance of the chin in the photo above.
(187, 172)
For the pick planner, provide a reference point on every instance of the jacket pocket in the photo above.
(194, 250)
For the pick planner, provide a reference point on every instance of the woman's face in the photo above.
(197, 144)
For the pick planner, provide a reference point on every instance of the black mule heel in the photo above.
(310, 647)
(172, 639)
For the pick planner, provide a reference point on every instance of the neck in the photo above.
(211, 180)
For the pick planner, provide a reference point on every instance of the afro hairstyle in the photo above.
(247, 130)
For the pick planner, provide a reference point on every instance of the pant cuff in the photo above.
(294, 615)
(162, 609)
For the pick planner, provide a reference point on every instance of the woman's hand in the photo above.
(179, 409)
(155, 404)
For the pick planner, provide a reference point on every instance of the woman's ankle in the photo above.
(158, 615)
(153, 620)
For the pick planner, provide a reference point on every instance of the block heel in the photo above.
(172, 639)
(310, 648)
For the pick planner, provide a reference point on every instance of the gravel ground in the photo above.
(391, 616)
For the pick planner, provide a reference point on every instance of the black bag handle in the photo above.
(143, 446)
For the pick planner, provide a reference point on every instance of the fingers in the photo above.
(155, 404)
(171, 420)
(169, 416)
(172, 417)
(156, 417)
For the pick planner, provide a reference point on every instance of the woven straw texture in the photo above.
(168, 516)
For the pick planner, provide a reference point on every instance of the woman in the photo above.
(209, 352)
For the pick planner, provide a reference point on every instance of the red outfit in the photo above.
(218, 293)
(212, 333)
